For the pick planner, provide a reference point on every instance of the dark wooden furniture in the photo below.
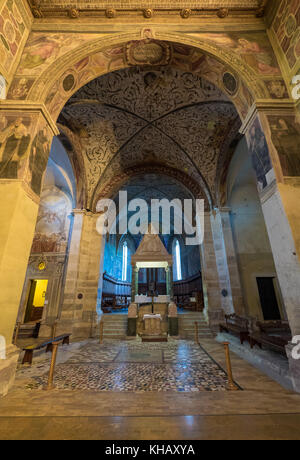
(28, 330)
(28, 356)
(273, 334)
(113, 302)
(236, 325)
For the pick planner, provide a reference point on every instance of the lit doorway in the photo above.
(36, 301)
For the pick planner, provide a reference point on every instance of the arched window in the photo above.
(125, 262)
(177, 261)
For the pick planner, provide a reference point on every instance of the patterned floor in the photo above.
(179, 366)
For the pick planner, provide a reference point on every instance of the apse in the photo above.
(119, 248)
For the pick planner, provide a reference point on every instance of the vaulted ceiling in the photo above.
(149, 115)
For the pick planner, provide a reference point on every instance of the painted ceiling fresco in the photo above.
(151, 115)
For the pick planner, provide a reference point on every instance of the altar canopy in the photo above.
(151, 254)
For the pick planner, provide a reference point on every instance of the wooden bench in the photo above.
(237, 326)
(28, 356)
(273, 334)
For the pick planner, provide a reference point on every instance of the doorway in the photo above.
(268, 299)
(36, 300)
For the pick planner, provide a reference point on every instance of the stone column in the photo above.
(26, 137)
(168, 284)
(79, 311)
(232, 264)
(221, 260)
(273, 137)
(211, 284)
(71, 302)
(171, 283)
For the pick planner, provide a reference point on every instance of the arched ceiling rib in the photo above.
(160, 115)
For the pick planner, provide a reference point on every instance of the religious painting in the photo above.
(14, 145)
(52, 228)
(277, 89)
(286, 138)
(42, 50)
(12, 30)
(19, 88)
(253, 47)
(39, 155)
(259, 152)
(287, 29)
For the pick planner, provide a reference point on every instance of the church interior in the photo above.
(114, 325)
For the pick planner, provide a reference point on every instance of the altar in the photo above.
(151, 311)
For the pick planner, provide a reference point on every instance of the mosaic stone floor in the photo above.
(179, 366)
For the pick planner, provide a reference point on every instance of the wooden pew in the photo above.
(273, 334)
(28, 356)
(236, 325)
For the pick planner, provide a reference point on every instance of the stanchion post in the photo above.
(50, 385)
(54, 327)
(196, 333)
(231, 385)
(17, 332)
(101, 331)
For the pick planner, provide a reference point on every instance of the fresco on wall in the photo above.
(14, 145)
(12, 30)
(287, 29)
(286, 138)
(185, 58)
(52, 228)
(24, 149)
(38, 159)
(259, 152)
(253, 47)
(42, 50)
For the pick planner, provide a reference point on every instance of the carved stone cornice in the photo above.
(24, 106)
(267, 106)
(181, 8)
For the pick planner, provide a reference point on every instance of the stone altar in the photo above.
(152, 325)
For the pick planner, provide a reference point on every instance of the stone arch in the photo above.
(44, 88)
(109, 189)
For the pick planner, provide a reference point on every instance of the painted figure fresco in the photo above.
(254, 48)
(38, 160)
(52, 228)
(42, 50)
(286, 139)
(14, 143)
(12, 30)
(287, 29)
(259, 151)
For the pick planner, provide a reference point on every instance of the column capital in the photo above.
(225, 209)
(29, 107)
(267, 106)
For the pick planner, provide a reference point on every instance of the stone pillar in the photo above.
(171, 283)
(211, 284)
(134, 283)
(79, 311)
(232, 264)
(168, 284)
(26, 135)
(71, 301)
(221, 260)
(273, 137)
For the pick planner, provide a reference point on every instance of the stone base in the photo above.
(131, 328)
(215, 317)
(173, 327)
(8, 368)
(153, 338)
(294, 365)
